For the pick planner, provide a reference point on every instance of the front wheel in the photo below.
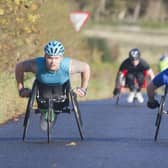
(117, 99)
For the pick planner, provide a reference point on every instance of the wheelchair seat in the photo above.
(124, 86)
(58, 93)
(123, 83)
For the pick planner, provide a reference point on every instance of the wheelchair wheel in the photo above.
(29, 108)
(117, 99)
(159, 117)
(48, 126)
(49, 119)
(77, 113)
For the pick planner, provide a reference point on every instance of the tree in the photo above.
(101, 9)
(155, 10)
(137, 10)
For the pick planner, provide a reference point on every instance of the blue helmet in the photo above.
(54, 48)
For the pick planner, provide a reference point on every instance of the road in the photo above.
(115, 137)
(131, 34)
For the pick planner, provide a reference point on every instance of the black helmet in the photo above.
(134, 54)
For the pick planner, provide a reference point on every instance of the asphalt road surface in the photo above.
(115, 137)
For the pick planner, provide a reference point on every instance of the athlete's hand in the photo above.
(80, 91)
(116, 91)
(24, 92)
(153, 104)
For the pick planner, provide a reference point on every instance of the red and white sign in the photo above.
(78, 19)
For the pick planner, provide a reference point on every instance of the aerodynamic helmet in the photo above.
(54, 48)
(134, 54)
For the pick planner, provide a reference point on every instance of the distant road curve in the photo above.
(129, 35)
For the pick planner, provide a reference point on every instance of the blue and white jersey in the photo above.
(60, 76)
(161, 78)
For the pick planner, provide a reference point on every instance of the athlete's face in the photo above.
(53, 62)
(135, 62)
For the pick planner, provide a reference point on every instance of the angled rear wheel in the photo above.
(77, 113)
(29, 109)
(159, 117)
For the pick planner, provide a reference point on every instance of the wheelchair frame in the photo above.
(124, 73)
(29, 109)
(161, 111)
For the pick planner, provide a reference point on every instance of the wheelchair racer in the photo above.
(135, 67)
(159, 80)
(52, 69)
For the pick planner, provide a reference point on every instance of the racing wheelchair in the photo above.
(161, 111)
(123, 84)
(57, 99)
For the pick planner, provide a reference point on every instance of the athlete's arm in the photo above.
(117, 80)
(119, 76)
(148, 69)
(159, 80)
(152, 102)
(150, 73)
(82, 68)
(151, 91)
(21, 67)
(156, 82)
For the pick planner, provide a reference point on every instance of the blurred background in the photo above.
(113, 28)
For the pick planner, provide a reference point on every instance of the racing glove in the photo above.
(81, 91)
(116, 91)
(24, 92)
(153, 104)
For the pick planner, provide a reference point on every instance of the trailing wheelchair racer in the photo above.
(135, 91)
(132, 74)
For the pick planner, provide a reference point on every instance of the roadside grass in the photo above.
(102, 80)
(11, 105)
